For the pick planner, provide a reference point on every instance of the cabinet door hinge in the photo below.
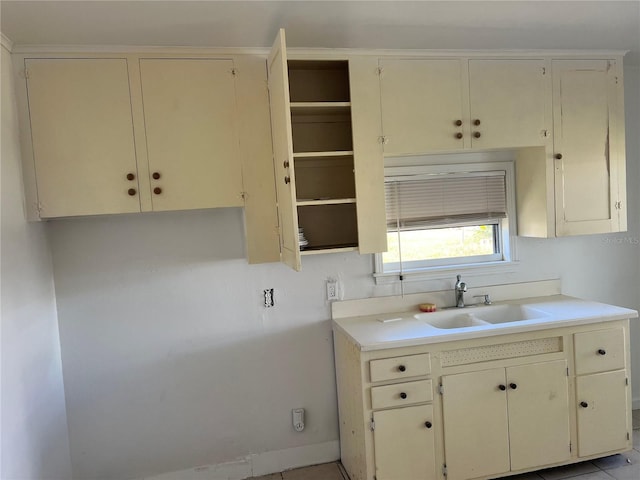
(567, 371)
(26, 74)
(440, 389)
(372, 425)
(444, 469)
(628, 436)
(234, 72)
(379, 70)
(544, 70)
(243, 195)
(570, 447)
(626, 381)
(618, 205)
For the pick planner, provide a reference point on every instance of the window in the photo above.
(442, 217)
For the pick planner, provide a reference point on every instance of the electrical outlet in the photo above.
(298, 419)
(332, 289)
(268, 298)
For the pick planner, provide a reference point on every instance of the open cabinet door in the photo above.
(283, 152)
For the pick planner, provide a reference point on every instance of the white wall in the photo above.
(171, 361)
(35, 442)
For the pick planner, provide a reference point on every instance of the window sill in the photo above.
(445, 272)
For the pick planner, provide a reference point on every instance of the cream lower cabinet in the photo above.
(501, 419)
(485, 407)
(404, 442)
(602, 390)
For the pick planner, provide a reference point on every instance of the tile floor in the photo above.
(616, 467)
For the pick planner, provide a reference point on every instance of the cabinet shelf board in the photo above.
(333, 201)
(328, 249)
(319, 108)
(339, 153)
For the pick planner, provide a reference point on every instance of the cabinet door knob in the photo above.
(156, 175)
(513, 386)
(130, 176)
(428, 424)
(285, 164)
(458, 135)
(157, 190)
(476, 122)
(403, 395)
(584, 404)
(458, 123)
(477, 134)
(602, 351)
(558, 156)
(131, 191)
(287, 179)
(502, 387)
(402, 368)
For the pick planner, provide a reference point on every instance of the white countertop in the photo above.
(370, 332)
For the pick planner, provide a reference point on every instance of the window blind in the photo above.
(440, 199)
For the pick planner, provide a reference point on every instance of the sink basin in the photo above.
(451, 319)
(508, 313)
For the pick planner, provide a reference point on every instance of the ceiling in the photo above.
(350, 24)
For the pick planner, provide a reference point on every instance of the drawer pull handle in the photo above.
(502, 387)
(584, 404)
(428, 424)
(477, 134)
(402, 368)
(157, 190)
(458, 123)
(602, 351)
(558, 156)
(513, 386)
(403, 395)
(458, 135)
(476, 122)
(287, 180)
(130, 176)
(156, 175)
(131, 191)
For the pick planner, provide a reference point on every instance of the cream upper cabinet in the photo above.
(421, 101)
(329, 172)
(122, 135)
(431, 105)
(588, 147)
(509, 103)
(82, 136)
(191, 133)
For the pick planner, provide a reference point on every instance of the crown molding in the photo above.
(132, 49)
(298, 52)
(6, 42)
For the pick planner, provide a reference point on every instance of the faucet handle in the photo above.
(487, 300)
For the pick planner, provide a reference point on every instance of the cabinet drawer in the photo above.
(599, 351)
(400, 367)
(401, 394)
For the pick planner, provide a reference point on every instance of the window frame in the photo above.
(444, 268)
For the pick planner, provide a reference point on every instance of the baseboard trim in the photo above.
(258, 464)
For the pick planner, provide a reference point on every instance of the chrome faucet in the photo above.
(460, 287)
